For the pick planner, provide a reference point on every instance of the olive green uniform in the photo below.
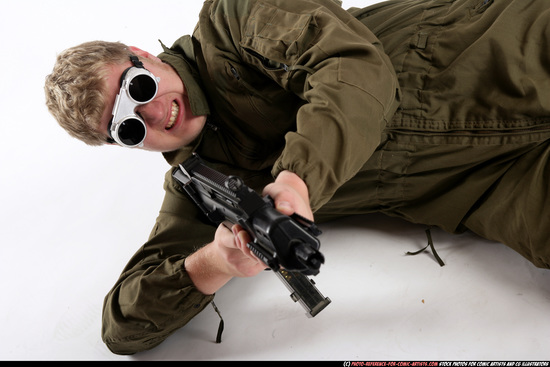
(434, 112)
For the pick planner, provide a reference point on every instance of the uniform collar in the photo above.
(181, 57)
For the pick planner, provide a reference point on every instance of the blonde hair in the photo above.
(75, 88)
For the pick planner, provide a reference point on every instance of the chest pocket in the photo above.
(274, 39)
(266, 110)
(250, 92)
(253, 113)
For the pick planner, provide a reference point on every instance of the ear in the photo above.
(143, 54)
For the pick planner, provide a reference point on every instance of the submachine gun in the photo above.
(287, 244)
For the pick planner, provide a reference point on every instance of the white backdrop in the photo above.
(71, 216)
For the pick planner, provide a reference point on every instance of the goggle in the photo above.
(138, 86)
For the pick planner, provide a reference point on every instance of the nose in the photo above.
(150, 112)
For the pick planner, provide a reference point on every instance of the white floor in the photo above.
(486, 303)
(71, 216)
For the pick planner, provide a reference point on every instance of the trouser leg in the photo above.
(516, 210)
(498, 191)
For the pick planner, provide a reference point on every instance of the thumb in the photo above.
(284, 207)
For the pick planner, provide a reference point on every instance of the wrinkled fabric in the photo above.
(432, 111)
(468, 147)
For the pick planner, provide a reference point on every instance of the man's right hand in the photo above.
(224, 258)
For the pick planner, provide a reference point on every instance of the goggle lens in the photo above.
(142, 88)
(131, 132)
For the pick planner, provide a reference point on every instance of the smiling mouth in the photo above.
(173, 115)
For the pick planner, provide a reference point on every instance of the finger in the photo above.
(237, 230)
(282, 198)
(222, 231)
(243, 239)
(284, 207)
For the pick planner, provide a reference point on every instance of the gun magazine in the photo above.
(304, 291)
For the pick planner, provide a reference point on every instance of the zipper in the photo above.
(235, 73)
(244, 84)
(508, 131)
(269, 64)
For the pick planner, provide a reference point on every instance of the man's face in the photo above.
(170, 123)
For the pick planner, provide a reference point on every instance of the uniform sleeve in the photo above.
(154, 295)
(337, 66)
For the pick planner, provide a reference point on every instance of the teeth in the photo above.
(173, 115)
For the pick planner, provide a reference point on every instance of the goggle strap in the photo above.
(135, 60)
(138, 64)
